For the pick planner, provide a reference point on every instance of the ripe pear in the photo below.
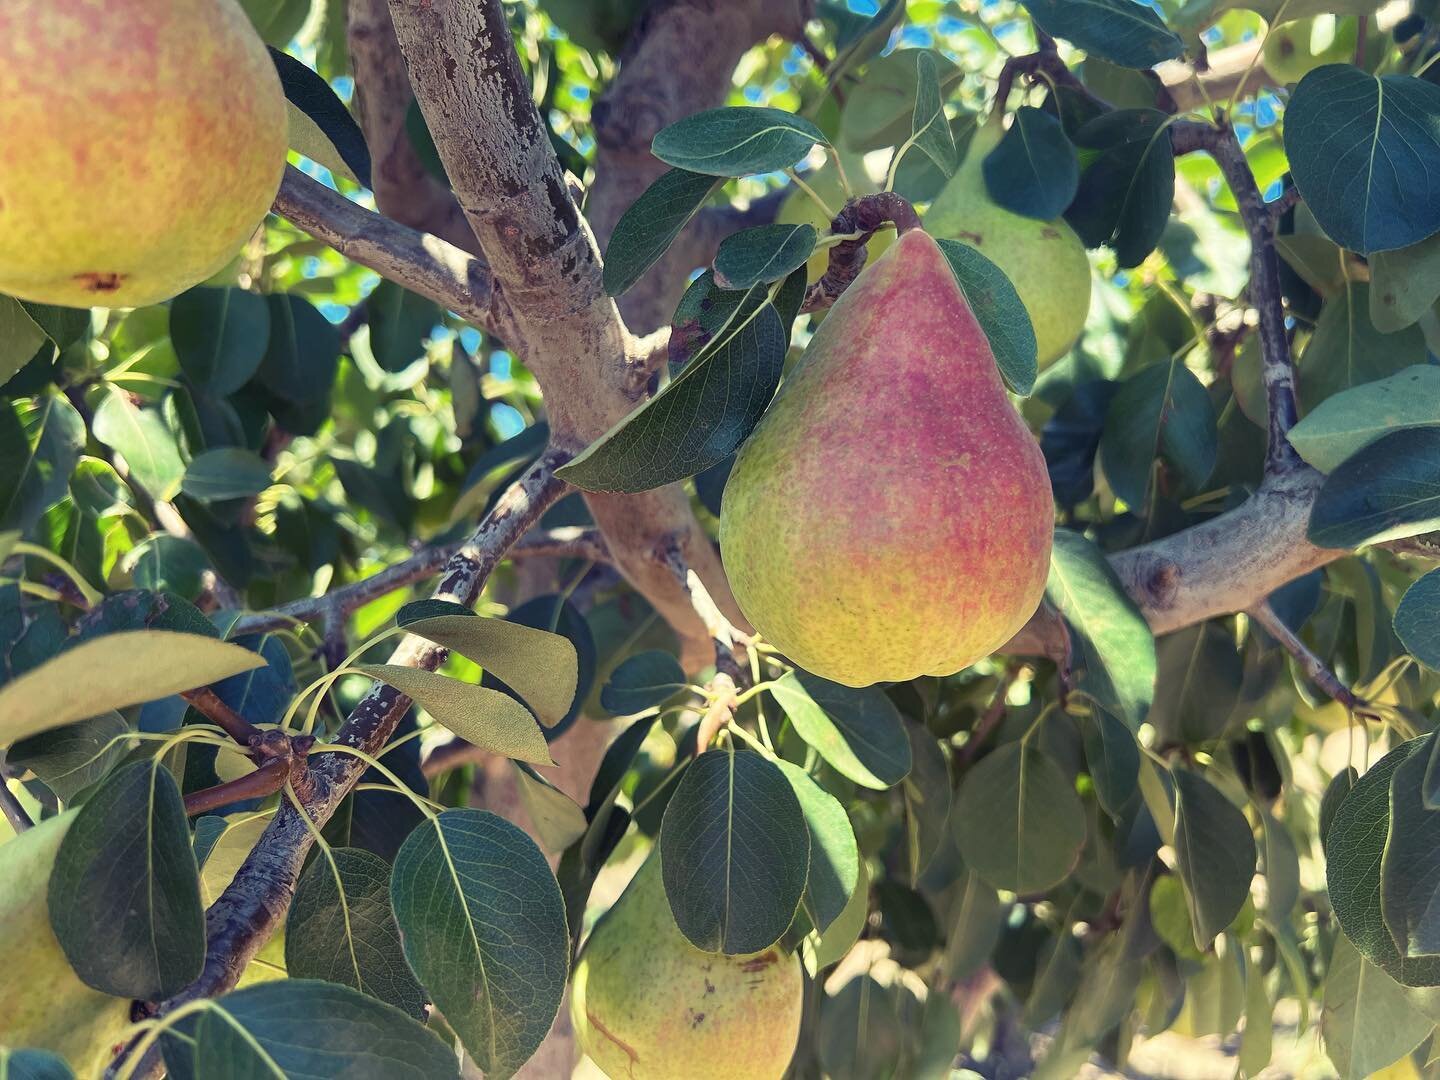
(891, 515)
(1044, 260)
(799, 208)
(143, 143)
(42, 1001)
(648, 1005)
(1294, 49)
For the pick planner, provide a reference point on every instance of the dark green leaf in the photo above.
(861, 1031)
(483, 924)
(33, 1065)
(1354, 418)
(1369, 1022)
(859, 733)
(929, 127)
(169, 564)
(834, 854)
(926, 792)
(647, 229)
(737, 141)
(1113, 649)
(400, 321)
(1389, 489)
(1214, 854)
(1017, 820)
(1346, 350)
(1364, 152)
(340, 929)
(1198, 678)
(1417, 620)
(142, 439)
(20, 337)
(999, 311)
(1034, 171)
(71, 758)
(303, 1029)
(616, 763)
(1126, 191)
(735, 852)
(312, 95)
(220, 336)
(40, 443)
(227, 473)
(303, 351)
(1405, 284)
(642, 681)
(125, 893)
(62, 325)
(1122, 31)
(763, 254)
(1163, 411)
(1410, 866)
(1335, 793)
(1112, 757)
(700, 418)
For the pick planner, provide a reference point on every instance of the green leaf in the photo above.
(1389, 489)
(999, 311)
(734, 852)
(62, 325)
(701, 417)
(1352, 419)
(737, 141)
(1197, 683)
(33, 1065)
(1364, 151)
(302, 353)
(641, 682)
(1347, 350)
(977, 917)
(141, 437)
(40, 443)
(1170, 915)
(168, 564)
(1035, 170)
(1404, 284)
(1369, 1021)
(222, 851)
(1410, 865)
(926, 793)
(112, 671)
(647, 229)
(1121, 31)
(822, 950)
(1161, 411)
(1113, 649)
(1417, 620)
(1214, 854)
(1259, 1032)
(220, 336)
(69, 759)
(486, 718)
(1354, 851)
(307, 1028)
(929, 127)
(880, 109)
(859, 733)
(125, 893)
(399, 321)
(226, 473)
(1126, 190)
(340, 929)
(862, 1035)
(556, 819)
(1017, 820)
(834, 854)
(1335, 792)
(540, 666)
(763, 254)
(555, 614)
(20, 337)
(331, 136)
(1112, 758)
(483, 924)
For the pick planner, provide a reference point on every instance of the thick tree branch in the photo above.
(421, 262)
(252, 907)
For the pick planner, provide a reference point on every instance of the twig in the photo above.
(423, 263)
(266, 780)
(1316, 668)
(209, 704)
(10, 806)
(990, 718)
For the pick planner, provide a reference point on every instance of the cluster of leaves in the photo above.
(1139, 843)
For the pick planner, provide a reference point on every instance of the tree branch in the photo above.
(423, 263)
(209, 704)
(1317, 670)
(10, 806)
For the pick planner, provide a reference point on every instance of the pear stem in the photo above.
(862, 217)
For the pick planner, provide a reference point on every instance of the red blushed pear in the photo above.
(141, 143)
(891, 515)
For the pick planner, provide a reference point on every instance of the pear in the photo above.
(891, 514)
(648, 1005)
(799, 208)
(1294, 49)
(42, 1001)
(1044, 260)
(143, 143)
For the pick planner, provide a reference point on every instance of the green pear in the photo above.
(1294, 49)
(891, 514)
(42, 1001)
(799, 208)
(648, 1005)
(143, 144)
(1044, 260)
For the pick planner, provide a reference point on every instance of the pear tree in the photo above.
(673, 539)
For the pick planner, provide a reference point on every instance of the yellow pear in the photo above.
(891, 515)
(1294, 49)
(42, 1002)
(1044, 260)
(142, 144)
(648, 1005)
(800, 209)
